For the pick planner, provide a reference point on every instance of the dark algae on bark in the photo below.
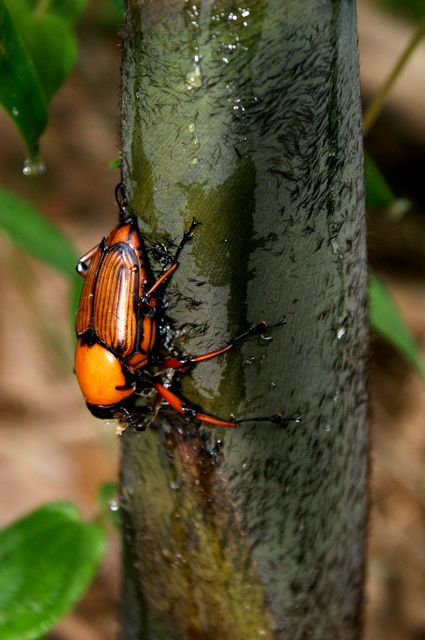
(246, 116)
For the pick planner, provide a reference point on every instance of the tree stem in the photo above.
(247, 118)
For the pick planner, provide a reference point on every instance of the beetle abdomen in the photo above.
(116, 299)
(99, 373)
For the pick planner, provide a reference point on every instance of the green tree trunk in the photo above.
(247, 118)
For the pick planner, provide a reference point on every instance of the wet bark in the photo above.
(247, 118)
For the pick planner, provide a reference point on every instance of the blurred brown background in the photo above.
(51, 448)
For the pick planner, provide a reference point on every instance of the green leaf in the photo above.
(47, 561)
(413, 9)
(21, 92)
(386, 319)
(378, 192)
(69, 10)
(49, 39)
(27, 228)
(37, 52)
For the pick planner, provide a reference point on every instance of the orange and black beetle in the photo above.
(117, 327)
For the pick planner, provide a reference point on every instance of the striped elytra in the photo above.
(111, 295)
(115, 299)
(85, 308)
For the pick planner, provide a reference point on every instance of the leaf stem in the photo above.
(376, 105)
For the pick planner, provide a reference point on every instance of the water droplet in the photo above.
(328, 427)
(195, 160)
(335, 247)
(195, 142)
(273, 385)
(191, 127)
(33, 167)
(174, 486)
(266, 338)
(15, 111)
(113, 505)
(340, 332)
(193, 80)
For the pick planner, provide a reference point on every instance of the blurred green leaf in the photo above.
(378, 192)
(37, 52)
(27, 228)
(69, 10)
(47, 561)
(410, 8)
(386, 319)
(21, 92)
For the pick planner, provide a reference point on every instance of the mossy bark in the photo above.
(247, 118)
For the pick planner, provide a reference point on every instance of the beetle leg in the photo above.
(186, 237)
(82, 266)
(255, 329)
(129, 419)
(186, 409)
(160, 280)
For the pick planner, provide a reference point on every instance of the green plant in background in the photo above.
(385, 317)
(28, 229)
(47, 559)
(38, 51)
(50, 556)
(410, 8)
